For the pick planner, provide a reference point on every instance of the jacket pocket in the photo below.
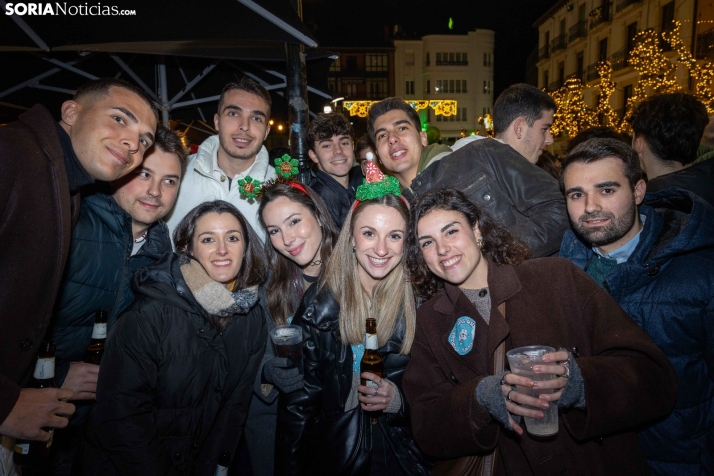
(481, 190)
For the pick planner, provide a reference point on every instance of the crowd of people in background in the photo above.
(460, 253)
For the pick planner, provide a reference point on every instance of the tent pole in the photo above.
(164, 90)
(298, 116)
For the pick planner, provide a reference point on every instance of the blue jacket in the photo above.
(667, 287)
(98, 275)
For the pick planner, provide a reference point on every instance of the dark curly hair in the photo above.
(325, 126)
(672, 125)
(498, 243)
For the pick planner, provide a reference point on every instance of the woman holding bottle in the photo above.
(323, 428)
(178, 369)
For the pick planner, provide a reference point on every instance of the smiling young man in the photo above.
(119, 230)
(104, 131)
(654, 254)
(235, 153)
(494, 174)
(329, 142)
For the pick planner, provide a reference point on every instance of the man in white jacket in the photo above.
(233, 155)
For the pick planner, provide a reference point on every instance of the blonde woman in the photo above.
(322, 428)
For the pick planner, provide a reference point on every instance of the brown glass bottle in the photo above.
(31, 453)
(95, 350)
(371, 360)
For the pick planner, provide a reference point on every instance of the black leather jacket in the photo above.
(315, 436)
(515, 193)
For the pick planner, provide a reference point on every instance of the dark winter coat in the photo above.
(98, 274)
(35, 227)
(311, 437)
(337, 198)
(667, 287)
(628, 381)
(516, 194)
(173, 390)
(697, 178)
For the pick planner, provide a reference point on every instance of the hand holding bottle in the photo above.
(37, 408)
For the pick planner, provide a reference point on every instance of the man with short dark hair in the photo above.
(654, 254)
(667, 129)
(103, 134)
(493, 173)
(236, 154)
(329, 142)
(119, 231)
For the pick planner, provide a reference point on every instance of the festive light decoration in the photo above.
(249, 187)
(656, 74)
(702, 75)
(607, 87)
(487, 122)
(441, 107)
(572, 115)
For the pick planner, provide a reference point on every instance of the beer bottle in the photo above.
(95, 350)
(371, 360)
(224, 461)
(30, 453)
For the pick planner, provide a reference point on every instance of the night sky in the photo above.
(351, 23)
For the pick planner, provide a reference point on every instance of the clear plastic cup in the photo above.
(521, 361)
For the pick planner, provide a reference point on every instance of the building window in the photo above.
(464, 116)
(458, 86)
(438, 58)
(545, 78)
(410, 87)
(332, 84)
(351, 63)
(487, 59)
(438, 118)
(487, 87)
(377, 88)
(427, 59)
(428, 86)
(631, 33)
(349, 89)
(409, 58)
(463, 86)
(451, 85)
(438, 87)
(602, 50)
(377, 62)
(335, 66)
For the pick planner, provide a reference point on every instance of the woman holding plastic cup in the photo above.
(300, 236)
(474, 275)
(323, 428)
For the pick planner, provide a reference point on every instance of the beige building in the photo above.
(574, 35)
(458, 67)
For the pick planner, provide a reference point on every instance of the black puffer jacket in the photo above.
(315, 436)
(173, 391)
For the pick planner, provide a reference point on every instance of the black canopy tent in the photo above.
(174, 51)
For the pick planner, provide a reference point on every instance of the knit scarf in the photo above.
(213, 296)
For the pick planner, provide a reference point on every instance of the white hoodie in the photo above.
(204, 181)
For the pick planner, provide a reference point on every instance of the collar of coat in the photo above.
(206, 162)
(503, 284)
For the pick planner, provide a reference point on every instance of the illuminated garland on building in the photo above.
(442, 107)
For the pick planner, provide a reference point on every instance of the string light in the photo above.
(656, 74)
(572, 115)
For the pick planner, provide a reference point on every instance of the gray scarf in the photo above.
(214, 297)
